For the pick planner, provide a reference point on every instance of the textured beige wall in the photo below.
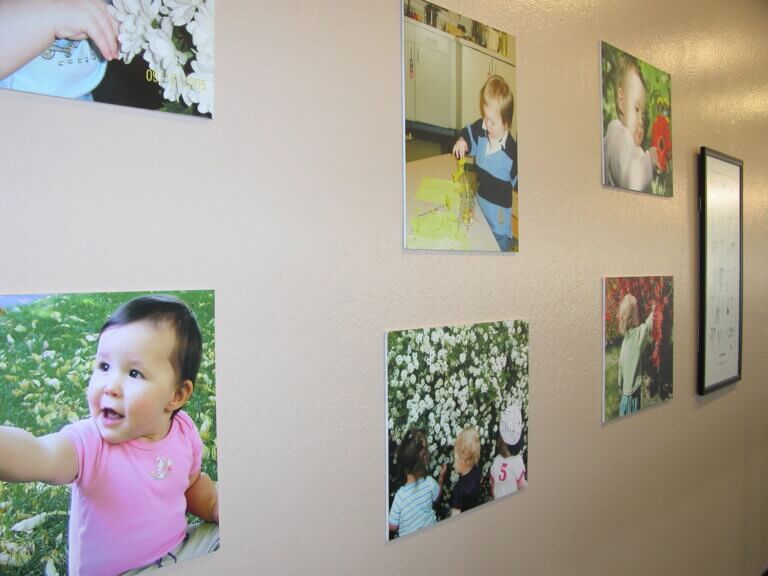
(289, 205)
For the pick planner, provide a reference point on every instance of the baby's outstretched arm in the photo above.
(24, 458)
(203, 498)
(28, 27)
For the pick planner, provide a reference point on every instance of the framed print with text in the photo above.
(721, 276)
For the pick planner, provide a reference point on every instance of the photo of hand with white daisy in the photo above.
(151, 54)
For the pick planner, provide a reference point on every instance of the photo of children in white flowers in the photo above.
(457, 420)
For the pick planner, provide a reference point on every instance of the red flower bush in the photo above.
(650, 291)
(661, 139)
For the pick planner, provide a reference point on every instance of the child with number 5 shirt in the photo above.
(134, 465)
(508, 468)
(56, 47)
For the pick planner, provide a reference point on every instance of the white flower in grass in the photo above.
(181, 12)
(135, 18)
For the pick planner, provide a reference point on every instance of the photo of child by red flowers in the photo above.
(637, 124)
(638, 344)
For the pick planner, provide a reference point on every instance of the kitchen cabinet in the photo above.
(476, 65)
(409, 65)
(429, 63)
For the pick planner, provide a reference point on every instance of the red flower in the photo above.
(661, 139)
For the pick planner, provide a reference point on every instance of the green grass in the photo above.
(612, 392)
(46, 356)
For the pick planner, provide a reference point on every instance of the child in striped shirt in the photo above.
(412, 507)
(495, 151)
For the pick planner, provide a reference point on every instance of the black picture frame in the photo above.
(721, 269)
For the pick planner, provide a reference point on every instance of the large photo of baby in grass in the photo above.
(457, 420)
(637, 124)
(638, 340)
(108, 461)
(153, 54)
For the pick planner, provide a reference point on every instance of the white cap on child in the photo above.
(511, 425)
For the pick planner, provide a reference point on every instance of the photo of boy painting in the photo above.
(460, 132)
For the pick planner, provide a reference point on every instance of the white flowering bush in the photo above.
(441, 380)
(176, 39)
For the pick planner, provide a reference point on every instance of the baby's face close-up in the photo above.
(134, 382)
(633, 104)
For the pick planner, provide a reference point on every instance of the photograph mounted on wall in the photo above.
(460, 132)
(638, 339)
(108, 459)
(152, 54)
(637, 123)
(457, 420)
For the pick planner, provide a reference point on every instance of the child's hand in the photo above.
(85, 19)
(441, 476)
(654, 158)
(28, 28)
(461, 148)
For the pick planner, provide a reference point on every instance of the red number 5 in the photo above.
(503, 474)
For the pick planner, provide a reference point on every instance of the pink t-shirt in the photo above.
(128, 504)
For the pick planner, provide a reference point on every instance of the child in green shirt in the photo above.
(636, 337)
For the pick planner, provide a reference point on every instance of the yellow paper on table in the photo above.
(438, 231)
(437, 190)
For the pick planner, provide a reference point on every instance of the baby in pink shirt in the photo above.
(135, 463)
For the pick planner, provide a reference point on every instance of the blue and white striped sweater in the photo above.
(497, 172)
(412, 505)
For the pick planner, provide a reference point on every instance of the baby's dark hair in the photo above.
(412, 454)
(163, 308)
(507, 450)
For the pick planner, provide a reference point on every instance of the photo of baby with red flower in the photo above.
(637, 124)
